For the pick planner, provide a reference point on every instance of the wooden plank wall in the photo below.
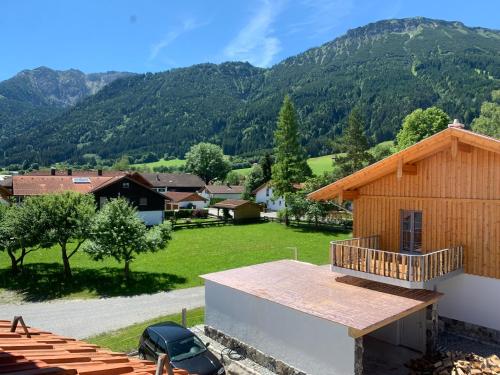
(460, 201)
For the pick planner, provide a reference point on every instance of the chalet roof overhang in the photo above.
(361, 305)
(404, 161)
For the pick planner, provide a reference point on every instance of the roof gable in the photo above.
(449, 138)
(176, 196)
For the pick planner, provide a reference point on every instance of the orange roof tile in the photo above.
(46, 353)
(39, 185)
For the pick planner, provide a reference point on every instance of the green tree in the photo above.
(233, 178)
(207, 161)
(291, 160)
(122, 164)
(488, 122)
(254, 179)
(316, 211)
(297, 205)
(69, 216)
(266, 163)
(119, 233)
(420, 124)
(22, 231)
(353, 146)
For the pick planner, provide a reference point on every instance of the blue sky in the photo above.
(154, 35)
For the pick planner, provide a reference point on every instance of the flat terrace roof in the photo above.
(361, 305)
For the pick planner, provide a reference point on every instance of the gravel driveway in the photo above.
(83, 318)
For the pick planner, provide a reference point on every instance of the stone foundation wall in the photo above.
(469, 330)
(272, 364)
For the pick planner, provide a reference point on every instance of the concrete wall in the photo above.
(472, 299)
(151, 217)
(273, 204)
(311, 344)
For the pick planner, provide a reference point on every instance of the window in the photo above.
(143, 201)
(267, 191)
(160, 190)
(126, 185)
(411, 231)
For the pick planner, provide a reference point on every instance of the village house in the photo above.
(178, 182)
(221, 192)
(425, 255)
(264, 195)
(149, 203)
(176, 200)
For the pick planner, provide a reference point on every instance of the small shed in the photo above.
(240, 209)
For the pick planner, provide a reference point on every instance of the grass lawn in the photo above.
(191, 253)
(162, 163)
(126, 339)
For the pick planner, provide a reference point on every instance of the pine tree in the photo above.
(290, 158)
(354, 146)
(266, 163)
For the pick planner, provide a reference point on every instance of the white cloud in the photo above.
(256, 42)
(187, 25)
(321, 16)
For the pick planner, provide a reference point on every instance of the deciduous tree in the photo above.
(488, 123)
(254, 179)
(207, 161)
(69, 218)
(420, 124)
(119, 233)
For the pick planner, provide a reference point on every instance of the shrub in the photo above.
(200, 213)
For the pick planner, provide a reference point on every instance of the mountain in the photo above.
(43, 93)
(388, 68)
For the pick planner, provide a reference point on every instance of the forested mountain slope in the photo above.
(388, 68)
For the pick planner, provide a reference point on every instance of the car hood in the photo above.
(202, 364)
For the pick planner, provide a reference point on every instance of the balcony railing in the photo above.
(363, 255)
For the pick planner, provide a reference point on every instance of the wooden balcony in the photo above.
(363, 258)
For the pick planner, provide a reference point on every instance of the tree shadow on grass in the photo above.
(311, 228)
(45, 281)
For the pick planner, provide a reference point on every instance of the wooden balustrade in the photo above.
(363, 254)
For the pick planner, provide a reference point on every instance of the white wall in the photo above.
(273, 204)
(472, 299)
(311, 344)
(151, 217)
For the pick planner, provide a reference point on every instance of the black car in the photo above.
(185, 350)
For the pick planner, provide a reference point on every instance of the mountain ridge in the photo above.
(388, 67)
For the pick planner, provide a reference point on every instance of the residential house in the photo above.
(5, 188)
(222, 192)
(150, 204)
(264, 194)
(239, 209)
(178, 182)
(426, 250)
(177, 199)
(137, 190)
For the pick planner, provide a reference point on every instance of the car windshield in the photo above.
(185, 348)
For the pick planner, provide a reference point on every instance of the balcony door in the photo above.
(411, 231)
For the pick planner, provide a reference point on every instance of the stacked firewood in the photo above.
(455, 363)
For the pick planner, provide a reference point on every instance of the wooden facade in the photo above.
(455, 183)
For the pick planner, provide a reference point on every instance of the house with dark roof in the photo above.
(222, 191)
(178, 182)
(137, 190)
(177, 199)
(424, 259)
